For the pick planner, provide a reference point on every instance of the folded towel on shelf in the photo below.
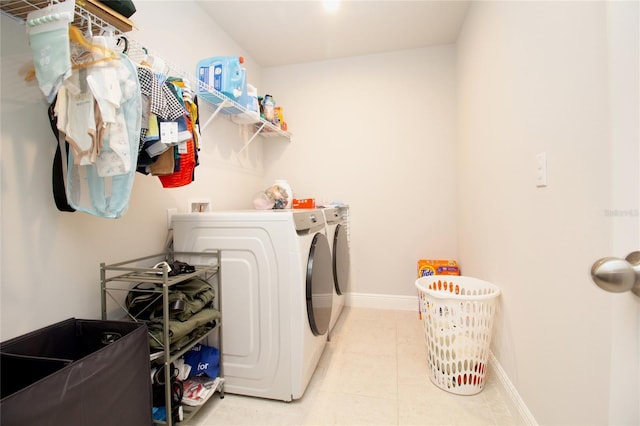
(183, 332)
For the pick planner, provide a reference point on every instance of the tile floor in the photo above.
(372, 372)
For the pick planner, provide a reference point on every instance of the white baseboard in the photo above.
(382, 301)
(517, 407)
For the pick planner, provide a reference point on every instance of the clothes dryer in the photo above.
(276, 294)
(340, 258)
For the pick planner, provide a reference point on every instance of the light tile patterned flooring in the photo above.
(372, 372)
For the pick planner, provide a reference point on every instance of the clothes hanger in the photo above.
(144, 61)
(76, 36)
(137, 53)
(122, 40)
(89, 31)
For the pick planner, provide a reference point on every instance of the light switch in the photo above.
(541, 170)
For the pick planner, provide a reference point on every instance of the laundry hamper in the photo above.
(457, 316)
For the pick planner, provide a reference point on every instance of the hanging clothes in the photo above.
(115, 118)
(99, 111)
(163, 107)
(168, 146)
(185, 164)
(185, 153)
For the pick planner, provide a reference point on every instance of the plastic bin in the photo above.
(77, 372)
(457, 316)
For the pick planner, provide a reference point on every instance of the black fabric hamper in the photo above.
(77, 373)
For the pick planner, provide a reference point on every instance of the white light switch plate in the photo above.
(541, 170)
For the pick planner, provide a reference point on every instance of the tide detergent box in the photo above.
(428, 267)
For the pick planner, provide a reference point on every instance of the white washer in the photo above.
(276, 296)
(340, 258)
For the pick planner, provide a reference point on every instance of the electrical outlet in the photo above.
(199, 205)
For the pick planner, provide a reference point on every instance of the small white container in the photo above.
(252, 99)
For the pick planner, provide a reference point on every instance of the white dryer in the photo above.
(340, 258)
(276, 294)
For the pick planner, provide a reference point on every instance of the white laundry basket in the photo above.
(457, 315)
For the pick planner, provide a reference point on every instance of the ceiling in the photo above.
(276, 33)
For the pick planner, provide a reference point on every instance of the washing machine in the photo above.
(276, 294)
(337, 234)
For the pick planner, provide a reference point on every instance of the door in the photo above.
(341, 259)
(623, 216)
(319, 285)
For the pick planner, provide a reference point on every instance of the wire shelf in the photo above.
(86, 16)
(87, 12)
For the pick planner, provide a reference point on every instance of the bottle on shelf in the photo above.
(224, 74)
(268, 107)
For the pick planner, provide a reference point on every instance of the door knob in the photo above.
(618, 275)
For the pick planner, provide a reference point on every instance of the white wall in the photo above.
(379, 132)
(376, 132)
(534, 77)
(50, 260)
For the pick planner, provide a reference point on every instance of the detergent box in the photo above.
(428, 267)
(304, 203)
